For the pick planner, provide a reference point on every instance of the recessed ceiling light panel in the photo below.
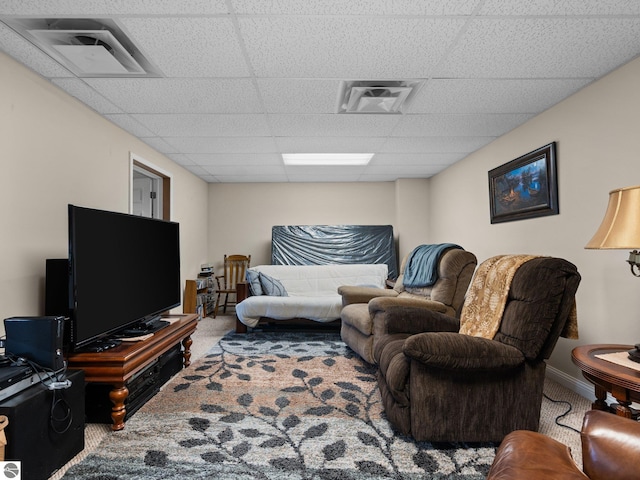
(326, 158)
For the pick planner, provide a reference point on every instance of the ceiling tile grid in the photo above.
(347, 47)
(239, 82)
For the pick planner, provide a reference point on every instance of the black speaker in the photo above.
(56, 288)
(46, 427)
(39, 339)
(56, 295)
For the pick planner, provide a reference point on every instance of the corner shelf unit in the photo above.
(199, 296)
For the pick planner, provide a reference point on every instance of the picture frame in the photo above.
(526, 187)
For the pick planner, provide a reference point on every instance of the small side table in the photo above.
(621, 381)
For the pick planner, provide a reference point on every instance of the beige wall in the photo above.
(55, 151)
(598, 147)
(412, 222)
(241, 215)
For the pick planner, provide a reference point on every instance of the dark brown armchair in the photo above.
(446, 386)
(365, 308)
(610, 451)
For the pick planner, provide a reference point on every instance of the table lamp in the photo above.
(620, 229)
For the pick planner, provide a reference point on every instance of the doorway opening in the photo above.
(150, 194)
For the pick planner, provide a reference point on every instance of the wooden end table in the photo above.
(117, 365)
(621, 381)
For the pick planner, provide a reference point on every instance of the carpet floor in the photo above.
(284, 406)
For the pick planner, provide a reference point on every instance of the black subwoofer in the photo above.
(46, 427)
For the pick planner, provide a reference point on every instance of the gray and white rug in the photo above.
(274, 406)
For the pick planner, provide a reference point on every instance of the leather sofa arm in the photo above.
(610, 446)
(525, 455)
(454, 351)
(610, 449)
(353, 294)
(410, 316)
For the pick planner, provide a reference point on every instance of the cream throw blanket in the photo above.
(484, 305)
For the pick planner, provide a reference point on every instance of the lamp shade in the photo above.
(620, 227)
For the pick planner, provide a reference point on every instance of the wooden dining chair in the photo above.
(235, 267)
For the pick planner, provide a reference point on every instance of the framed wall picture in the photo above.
(526, 187)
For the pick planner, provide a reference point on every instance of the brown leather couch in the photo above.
(365, 309)
(610, 451)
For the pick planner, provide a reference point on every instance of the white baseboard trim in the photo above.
(582, 388)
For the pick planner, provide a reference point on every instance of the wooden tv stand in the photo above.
(117, 365)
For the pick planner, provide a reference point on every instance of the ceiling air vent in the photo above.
(370, 96)
(87, 47)
(90, 52)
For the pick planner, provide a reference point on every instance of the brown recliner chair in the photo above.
(610, 451)
(450, 387)
(365, 308)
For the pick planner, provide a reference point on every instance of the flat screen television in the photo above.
(124, 270)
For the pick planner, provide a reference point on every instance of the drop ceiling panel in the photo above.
(404, 171)
(336, 176)
(87, 95)
(444, 125)
(189, 46)
(493, 95)
(565, 7)
(251, 178)
(247, 144)
(542, 48)
(333, 125)
(179, 95)
(414, 159)
(204, 125)
(181, 159)
(235, 170)
(296, 95)
(29, 55)
(161, 145)
(434, 144)
(130, 124)
(363, 144)
(352, 7)
(111, 7)
(347, 47)
(227, 159)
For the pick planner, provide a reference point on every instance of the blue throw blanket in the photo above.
(421, 269)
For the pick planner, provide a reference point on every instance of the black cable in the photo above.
(67, 414)
(50, 376)
(557, 421)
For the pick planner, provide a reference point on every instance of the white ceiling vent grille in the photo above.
(90, 52)
(370, 96)
(87, 47)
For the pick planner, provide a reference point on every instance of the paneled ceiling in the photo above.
(239, 82)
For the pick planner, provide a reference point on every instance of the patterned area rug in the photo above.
(274, 406)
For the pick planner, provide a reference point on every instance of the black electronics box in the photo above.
(46, 427)
(142, 387)
(38, 339)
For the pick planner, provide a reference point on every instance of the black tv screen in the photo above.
(123, 269)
